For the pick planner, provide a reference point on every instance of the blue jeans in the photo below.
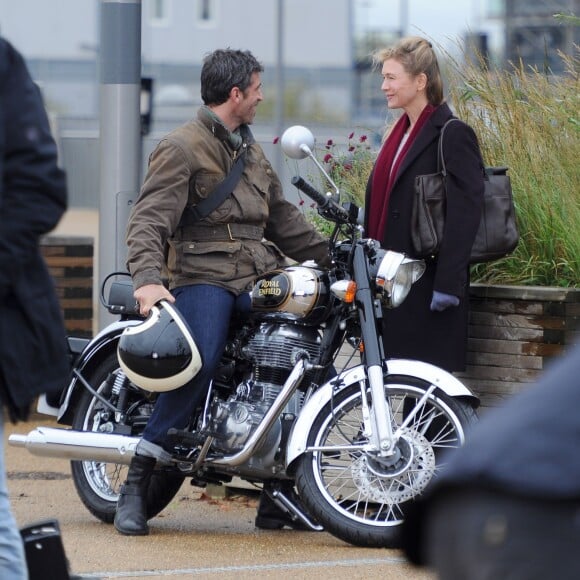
(208, 311)
(12, 561)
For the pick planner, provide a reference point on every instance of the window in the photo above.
(207, 12)
(159, 12)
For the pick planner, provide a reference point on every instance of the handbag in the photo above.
(497, 235)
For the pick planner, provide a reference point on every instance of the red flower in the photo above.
(327, 158)
(352, 148)
(276, 139)
(329, 143)
(301, 202)
(363, 138)
(351, 136)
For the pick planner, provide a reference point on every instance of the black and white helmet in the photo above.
(159, 354)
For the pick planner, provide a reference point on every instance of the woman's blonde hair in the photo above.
(417, 56)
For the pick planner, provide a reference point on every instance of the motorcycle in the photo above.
(359, 440)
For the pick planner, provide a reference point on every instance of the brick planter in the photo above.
(70, 262)
(514, 332)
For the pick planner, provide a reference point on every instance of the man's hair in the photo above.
(225, 69)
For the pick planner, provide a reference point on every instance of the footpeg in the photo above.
(184, 438)
(295, 511)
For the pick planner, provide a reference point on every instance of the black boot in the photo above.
(131, 516)
(272, 517)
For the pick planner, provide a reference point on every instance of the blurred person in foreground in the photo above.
(211, 262)
(431, 325)
(507, 504)
(33, 354)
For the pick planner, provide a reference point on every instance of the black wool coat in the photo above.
(33, 197)
(412, 330)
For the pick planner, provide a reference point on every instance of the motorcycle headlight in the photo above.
(395, 276)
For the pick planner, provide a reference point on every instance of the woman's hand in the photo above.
(442, 301)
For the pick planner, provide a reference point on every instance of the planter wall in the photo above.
(70, 262)
(514, 333)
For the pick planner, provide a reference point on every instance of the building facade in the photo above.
(315, 58)
(533, 36)
(312, 40)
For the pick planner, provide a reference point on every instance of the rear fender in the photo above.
(433, 375)
(92, 355)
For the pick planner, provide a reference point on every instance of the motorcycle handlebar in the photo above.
(324, 203)
(312, 193)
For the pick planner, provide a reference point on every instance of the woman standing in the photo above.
(431, 325)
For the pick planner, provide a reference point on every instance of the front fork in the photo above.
(377, 418)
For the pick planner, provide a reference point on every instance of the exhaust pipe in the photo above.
(77, 445)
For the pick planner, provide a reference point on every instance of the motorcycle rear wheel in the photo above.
(357, 496)
(98, 483)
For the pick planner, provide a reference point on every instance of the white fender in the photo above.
(443, 380)
(109, 334)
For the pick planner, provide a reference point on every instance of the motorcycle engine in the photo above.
(273, 349)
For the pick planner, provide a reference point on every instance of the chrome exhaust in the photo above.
(77, 445)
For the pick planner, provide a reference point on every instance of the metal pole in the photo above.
(404, 17)
(279, 105)
(120, 130)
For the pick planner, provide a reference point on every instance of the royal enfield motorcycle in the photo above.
(360, 435)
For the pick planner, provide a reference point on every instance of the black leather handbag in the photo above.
(497, 235)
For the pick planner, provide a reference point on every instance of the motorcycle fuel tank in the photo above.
(296, 293)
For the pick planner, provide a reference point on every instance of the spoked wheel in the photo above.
(356, 494)
(98, 483)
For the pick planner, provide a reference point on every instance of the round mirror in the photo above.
(297, 142)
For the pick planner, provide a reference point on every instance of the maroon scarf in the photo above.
(385, 172)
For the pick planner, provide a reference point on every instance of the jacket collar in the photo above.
(220, 131)
(429, 133)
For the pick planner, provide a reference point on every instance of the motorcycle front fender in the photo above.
(443, 380)
(94, 352)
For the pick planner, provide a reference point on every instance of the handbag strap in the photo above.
(440, 159)
(218, 195)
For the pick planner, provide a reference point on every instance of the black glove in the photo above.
(442, 301)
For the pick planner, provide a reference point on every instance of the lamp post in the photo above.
(120, 130)
(403, 17)
(280, 83)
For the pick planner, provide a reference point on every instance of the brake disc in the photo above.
(399, 481)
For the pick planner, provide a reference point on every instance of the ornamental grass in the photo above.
(527, 119)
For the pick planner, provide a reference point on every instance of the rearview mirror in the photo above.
(297, 142)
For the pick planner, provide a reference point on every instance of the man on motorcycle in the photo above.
(210, 261)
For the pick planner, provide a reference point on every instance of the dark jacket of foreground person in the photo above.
(518, 479)
(33, 197)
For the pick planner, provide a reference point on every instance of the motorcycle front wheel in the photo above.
(98, 483)
(354, 493)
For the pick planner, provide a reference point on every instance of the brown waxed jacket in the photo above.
(241, 239)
